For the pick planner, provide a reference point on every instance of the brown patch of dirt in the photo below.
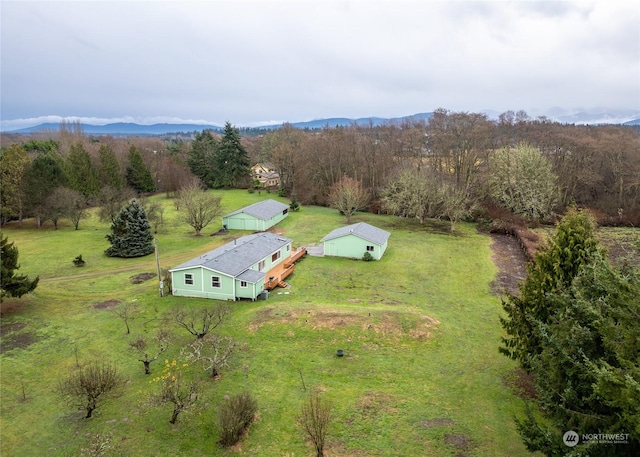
(11, 327)
(109, 304)
(142, 277)
(461, 442)
(11, 307)
(511, 262)
(389, 324)
(522, 384)
(621, 249)
(372, 403)
(13, 337)
(437, 422)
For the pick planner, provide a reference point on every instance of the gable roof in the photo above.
(362, 230)
(264, 165)
(236, 257)
(263, 210)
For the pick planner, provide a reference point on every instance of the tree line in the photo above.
(463, 162)
(455, 165)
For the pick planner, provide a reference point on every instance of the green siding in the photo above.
(242, 221)
(285, 253)
(229, 287)
(352, 247)
(202, 286)
(251, 291)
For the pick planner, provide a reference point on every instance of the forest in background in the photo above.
(597, 167)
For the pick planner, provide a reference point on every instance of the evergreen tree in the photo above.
(201, 159)
(82, 174)
(45, 174)
(138, 174)
(14, 164)
(588, 370)
(554, 267)
(232, 159)
(110, 169)
(12, 285)
(130, 233)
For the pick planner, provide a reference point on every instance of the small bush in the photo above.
(367, 257)
(234, 417)
(78, 261)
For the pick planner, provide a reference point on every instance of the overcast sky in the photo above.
(251, 62)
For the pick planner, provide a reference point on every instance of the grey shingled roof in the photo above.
(236, 257)
(361, 230)
(263, 210)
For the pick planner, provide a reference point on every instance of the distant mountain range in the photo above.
(126, 129)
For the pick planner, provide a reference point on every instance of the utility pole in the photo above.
(160, 283)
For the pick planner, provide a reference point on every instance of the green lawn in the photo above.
(421, 373)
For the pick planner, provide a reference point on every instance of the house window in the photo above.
(261, 265)
(275, 256)
(288, 247)
(243, 283)
(370, 248)
(188, 279)
(215, 281)
(285, 211)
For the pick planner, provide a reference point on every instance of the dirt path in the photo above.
(165, 262)
(511, 262)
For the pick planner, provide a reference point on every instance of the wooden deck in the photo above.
(277, 275)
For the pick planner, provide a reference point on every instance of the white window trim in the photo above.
(188, 279)
(217, 278)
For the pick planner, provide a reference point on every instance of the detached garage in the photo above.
(353, 241)
(257, 217)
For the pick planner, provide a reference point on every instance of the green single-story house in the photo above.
(258, 217)
(232, 271)
(354, 240)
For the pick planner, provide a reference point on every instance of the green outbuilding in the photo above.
(257, 217)
(353, 241)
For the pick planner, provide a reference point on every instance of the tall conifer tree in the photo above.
(232, 159)
(138, 174)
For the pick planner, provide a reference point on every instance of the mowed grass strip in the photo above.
(420, 375)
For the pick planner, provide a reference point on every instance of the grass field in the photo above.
(421, 373)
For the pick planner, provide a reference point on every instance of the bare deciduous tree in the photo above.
(159, 344)
(126, 312)
(175, 389)
(198, 207)
(315, 418)
(348, 196)
(90, 385)
(199, 322)
(111, 200)
(213, 351)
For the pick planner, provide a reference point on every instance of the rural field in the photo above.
(421, 373)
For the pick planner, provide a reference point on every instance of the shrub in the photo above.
(294, 205)
(78, 261)
(234, 417)
(367, 257)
